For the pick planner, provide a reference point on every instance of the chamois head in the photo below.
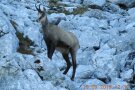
(42, 17)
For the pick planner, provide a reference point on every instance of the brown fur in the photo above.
(60, 40)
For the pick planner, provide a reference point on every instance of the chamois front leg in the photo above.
(65, 56)
(50, 48)
(47, 43)
(50, 51)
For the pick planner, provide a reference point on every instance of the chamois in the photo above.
(55, 38)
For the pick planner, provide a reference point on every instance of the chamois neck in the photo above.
(45, 23)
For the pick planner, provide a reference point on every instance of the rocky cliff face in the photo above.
(106, 32)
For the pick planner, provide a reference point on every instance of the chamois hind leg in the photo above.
(73, 55)
(51, 50)
(65, 56)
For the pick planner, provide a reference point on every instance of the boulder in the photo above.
(126, 3)
(127, 75)
(8, 40)
(94, 2)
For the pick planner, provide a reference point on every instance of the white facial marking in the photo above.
(42, 20)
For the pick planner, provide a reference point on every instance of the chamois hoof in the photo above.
(72, 79)
(50, 58)
(64, 73)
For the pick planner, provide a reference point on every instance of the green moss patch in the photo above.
(56, 7)
(24, 42)
(80, 10)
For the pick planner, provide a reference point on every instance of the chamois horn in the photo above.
(39, 10)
